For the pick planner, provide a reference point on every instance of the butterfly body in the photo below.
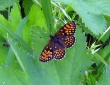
(63, 38)
(57, 41)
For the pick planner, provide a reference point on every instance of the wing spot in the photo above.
(43, 54)
(50, 48)
(62, 33)
(65, 28)
(61, 30)
(68, 26)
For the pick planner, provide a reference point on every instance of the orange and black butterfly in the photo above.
(63, 38)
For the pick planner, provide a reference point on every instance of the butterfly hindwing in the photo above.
(59, 51)
(68, 41)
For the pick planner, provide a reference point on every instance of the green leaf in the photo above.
(6, 3)
(4, 22)
(27, 4)
(36, 17)
(105, 78)
(3, 50)
(19, 30)
(15, 17)
(105, 35)
(10, 76)
(17, 38)
(91, 16)
(47, 9)
(102, 57)
(105, 51)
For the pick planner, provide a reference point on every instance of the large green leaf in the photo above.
(10, 76)
(91, 13)
(70, 69)
(36, 16)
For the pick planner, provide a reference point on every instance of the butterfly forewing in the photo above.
(67, 30)
(47, 53)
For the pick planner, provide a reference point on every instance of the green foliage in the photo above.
(7, 3)
(11, 76)
(27, 29)
(104, 80)
(27, 4)
(90, 14)
(39, 21)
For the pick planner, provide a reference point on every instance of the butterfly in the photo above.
(56, 46)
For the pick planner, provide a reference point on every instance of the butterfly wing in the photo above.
(66, 34)
(67, 30)
(68, 41)
(47, 53)
(59, 52)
